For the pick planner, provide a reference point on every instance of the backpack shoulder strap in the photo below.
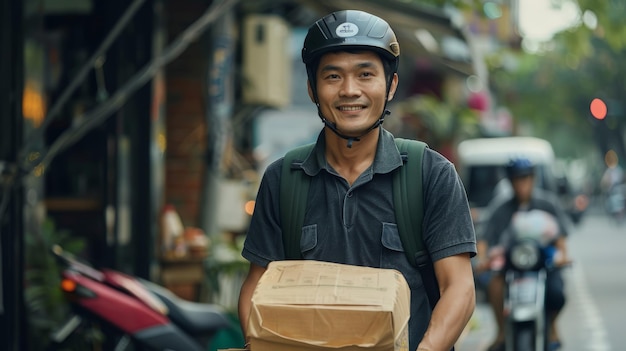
(294, 190)
(407, 197)
(409, 207)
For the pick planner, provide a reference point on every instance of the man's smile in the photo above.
(351, 108)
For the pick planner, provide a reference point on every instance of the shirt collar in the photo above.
(387, 156)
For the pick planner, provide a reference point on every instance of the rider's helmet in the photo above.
(519, 167)
(350, 30)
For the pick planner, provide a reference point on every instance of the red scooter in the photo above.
(116, 311)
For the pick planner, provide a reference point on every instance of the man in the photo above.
(613, 187)
(521, 173)
(352, 59)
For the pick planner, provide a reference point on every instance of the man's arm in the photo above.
(245, 295)
(482, 256)
(563, 258)
(455, 306)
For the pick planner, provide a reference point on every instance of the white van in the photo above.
(481, 165)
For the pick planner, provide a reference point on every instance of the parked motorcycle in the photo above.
(525, 261)
(131, 313)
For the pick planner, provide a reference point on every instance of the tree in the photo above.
(552, 89)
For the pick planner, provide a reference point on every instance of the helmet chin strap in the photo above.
(352, 139)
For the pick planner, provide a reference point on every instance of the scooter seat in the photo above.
(193, 317)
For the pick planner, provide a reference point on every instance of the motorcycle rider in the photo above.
(613, 187)
(525, 197)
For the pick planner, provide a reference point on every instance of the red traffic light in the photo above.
(598, 108)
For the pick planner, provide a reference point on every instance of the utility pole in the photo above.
(220, 100)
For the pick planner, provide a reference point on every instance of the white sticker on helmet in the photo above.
(347, 29)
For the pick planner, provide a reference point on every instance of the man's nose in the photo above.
(350, 88)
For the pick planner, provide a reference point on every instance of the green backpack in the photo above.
(407, 197)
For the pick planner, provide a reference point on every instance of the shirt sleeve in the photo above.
(264, 242)
(447, 225)
(499, 216)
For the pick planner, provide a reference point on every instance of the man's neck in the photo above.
(350, 162)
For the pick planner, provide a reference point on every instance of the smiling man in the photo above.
(352, 60)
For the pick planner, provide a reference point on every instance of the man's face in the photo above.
(523, 187)
(352, 91)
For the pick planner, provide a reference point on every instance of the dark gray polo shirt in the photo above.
(356, 224)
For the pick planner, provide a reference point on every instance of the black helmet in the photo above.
(351, 29)
(519, 167)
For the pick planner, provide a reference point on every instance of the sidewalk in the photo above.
(480, 330)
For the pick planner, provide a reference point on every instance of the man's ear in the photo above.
(393, 87)
(308, 85)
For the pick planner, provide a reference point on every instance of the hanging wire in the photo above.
(101, 112)
(37, 134)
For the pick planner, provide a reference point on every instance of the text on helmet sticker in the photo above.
(347, 29)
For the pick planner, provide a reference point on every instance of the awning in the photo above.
(422, 31)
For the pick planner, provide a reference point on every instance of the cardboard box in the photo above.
(316, 306)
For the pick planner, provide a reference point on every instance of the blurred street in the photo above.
(594, 313)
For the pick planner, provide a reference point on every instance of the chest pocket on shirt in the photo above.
(308, 241)
(393, 256)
